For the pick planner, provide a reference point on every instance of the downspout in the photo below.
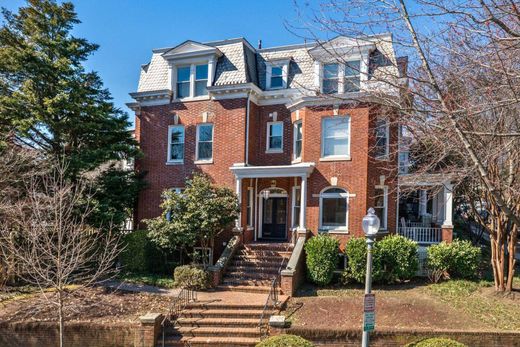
(256, 200)
(247, 129)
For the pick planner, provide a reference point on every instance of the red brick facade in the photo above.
(358, 176)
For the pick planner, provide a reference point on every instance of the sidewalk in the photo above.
(141, 288)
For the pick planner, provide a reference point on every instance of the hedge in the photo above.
(394, 260)
(285, 341)
(459, 259)
(436, 342)
(140, 255)
(192, 277)
(322, 256)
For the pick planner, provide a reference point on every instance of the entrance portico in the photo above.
(268, 206)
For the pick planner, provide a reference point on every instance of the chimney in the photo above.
(259, 44)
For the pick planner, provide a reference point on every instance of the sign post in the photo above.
(369, 316)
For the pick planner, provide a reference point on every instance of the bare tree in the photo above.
(458, 95)
(56, 250)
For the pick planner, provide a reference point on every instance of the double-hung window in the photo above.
(298, 140)
(183, 82)
(201, 80)
(276, 77)
(352, 76)
(296, 203)
(274, 137)
(330, 79)
(335, 138)
(204, 142)
(381, 138)
(176, 144)
(333, 209)
(381, 205)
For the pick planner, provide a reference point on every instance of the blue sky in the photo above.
(127, 30)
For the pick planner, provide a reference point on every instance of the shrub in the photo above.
(192, 277)
(285, 341)
(436, 342)
(459, 259)
(140, 255)
(322, 256)
(394, 259)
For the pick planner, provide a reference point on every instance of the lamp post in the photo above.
(370, 226)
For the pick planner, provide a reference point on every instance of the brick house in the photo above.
(280, 127)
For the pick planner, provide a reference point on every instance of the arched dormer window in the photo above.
(334, 209)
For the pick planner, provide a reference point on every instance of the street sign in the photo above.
(369, 316)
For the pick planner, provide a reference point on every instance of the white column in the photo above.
(448, 204)
(435, 213)
(423, 202)
(238, 222)
(303, 203)
(211, 71)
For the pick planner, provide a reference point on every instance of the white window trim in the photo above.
(296, 159)
(335, 157)
(363, 72)
(284, 64)
(346, 195)
(204, 161)
(387, 142)
(250, 199)
(175, 161)
(384, 222)
(338, 77)
(341, 89)
(192, 65)
(293, 205)
(267, 148)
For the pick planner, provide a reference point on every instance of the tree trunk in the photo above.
(60, 316)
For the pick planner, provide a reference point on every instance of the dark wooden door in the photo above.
(274, 220)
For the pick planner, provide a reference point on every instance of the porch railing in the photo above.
(421, 234)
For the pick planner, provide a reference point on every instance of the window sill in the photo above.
(276, 88)
(203, 162)
(296, 161)
(333, 231)
(383, 158)
(271, 151)
(343, 158)
(175, 162)
(195, 98)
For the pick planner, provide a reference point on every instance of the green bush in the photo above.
(192, 277)
(459, 259)
(285, 341)
(140, 255)
(394, 259)
(436, 342)
(322, 256)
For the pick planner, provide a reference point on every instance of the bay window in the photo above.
(335, 138)
(333, 209)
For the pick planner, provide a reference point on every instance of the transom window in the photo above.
(333, 209)
(352, 76)
(335, 137)
(183, 81)
(382, 138)
(205, 142)
(381, 205)
(298, 140)
(276, 77)
(176, 143)
(201, 80)
(274, 136)
(330, 78)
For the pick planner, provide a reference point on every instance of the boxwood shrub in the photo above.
(436, 342)
(322, 256)
(142, 256)
(285, 340)
(394, 260)
(192, 277)
(459, 259)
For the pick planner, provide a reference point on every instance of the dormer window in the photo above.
(184, 78)
(201, 80)
(276, 74)
(330, 78)
(352, 76)
(183, 82)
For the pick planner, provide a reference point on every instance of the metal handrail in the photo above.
(178, 304)
(271, 297)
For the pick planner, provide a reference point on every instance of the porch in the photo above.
(425, 208)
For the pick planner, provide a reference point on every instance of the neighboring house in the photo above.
(276, 125)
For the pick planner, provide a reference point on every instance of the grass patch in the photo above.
(162, 281)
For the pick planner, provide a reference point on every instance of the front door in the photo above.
(274, 219)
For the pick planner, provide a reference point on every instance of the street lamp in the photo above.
(370, 226)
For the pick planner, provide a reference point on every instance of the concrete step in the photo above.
(217, 331)
(241, 322)
(219, 313)
(256, 262)
(209, 341)
(264, 253)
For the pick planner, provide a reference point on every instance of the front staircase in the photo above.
(255, 266)
(230, 316)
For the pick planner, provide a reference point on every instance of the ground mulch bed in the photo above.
(409, 306)
(97, 304)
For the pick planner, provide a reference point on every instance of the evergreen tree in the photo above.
(49, 102)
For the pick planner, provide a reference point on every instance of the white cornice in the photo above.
(297, 170)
